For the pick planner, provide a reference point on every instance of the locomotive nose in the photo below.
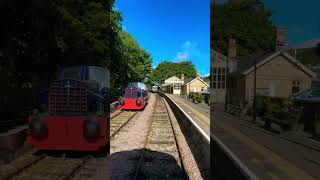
(38, 127)
(91, 127)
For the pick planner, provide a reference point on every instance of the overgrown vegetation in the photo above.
(282, 109)
(38, 36)
(247, 21)
(196, 97)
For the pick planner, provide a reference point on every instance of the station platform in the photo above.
(267, 155)
(200, 113)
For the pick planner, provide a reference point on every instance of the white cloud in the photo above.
(205, 75)
(189, 49)
(181, 56)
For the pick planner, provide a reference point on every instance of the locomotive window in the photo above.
(99, 75)
(72, 73)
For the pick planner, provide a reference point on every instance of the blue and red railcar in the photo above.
(135, 97)
(74, 112)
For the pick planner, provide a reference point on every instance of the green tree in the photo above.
(38, 36)
(247, 21)
(138, 60)
(130, 63)
(167, 69)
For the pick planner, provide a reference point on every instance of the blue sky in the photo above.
(171, 30)
(301, 18)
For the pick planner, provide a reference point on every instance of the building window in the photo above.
(296, 85)
(177, 86)
(219, 78)
(262, 92)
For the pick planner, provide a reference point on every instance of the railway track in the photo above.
(160, 157)
(160, 152)
(47, 167)
(119, 121)
(44, 167)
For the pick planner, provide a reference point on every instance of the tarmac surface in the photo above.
(268, 155)
(200, 113)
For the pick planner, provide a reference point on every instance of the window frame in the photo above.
(295, 84)
(219, 78)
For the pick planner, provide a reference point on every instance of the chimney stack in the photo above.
(232, 54)
(182, 76)
(280, 38)
(197, 73)
(232, 48)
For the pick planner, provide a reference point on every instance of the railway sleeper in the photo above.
(162, 142)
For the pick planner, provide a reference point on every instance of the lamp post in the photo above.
(257, 7)
(227, 85)
(189, 91)
(254, 115)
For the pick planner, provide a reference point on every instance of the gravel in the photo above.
(126, 146)
(189, 162)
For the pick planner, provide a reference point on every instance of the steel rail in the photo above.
(26, 166)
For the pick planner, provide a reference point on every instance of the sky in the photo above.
(300, 18)
(172, 30)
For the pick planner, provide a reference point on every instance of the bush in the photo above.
(295, 117)
(261, 105)
(287, 103)
(198, 98)
(317, 127)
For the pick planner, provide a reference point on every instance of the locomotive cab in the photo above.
(74, 111)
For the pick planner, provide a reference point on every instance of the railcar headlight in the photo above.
(138, 102)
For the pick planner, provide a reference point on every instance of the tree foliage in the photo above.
(38, 36)
(130, 63)
(168, 69)
(247, 21)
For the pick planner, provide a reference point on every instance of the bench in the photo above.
(285, 125)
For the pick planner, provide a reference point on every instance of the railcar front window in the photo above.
(72, 73)
(99, 75)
